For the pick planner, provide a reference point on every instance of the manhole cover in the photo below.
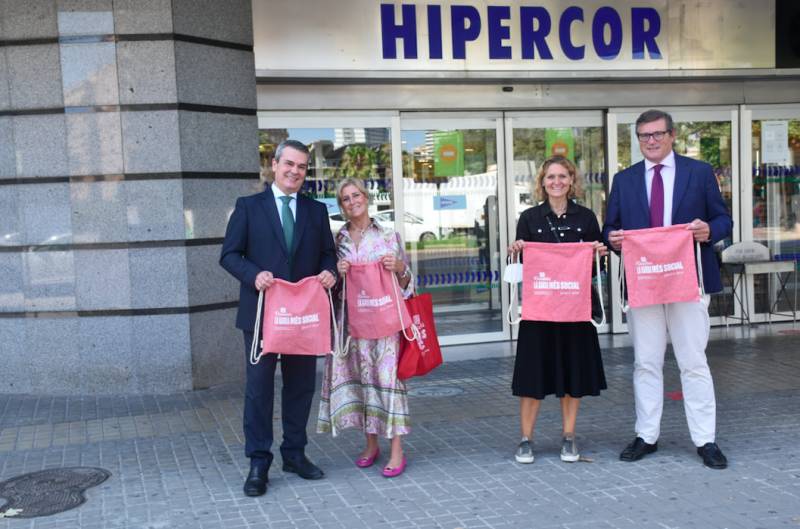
(48, 491)
(436, 391)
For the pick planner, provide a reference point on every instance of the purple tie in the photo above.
(657, 198)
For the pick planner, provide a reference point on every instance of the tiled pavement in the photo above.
(177, 461)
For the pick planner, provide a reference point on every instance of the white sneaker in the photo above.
(524, 452)
(569, 451)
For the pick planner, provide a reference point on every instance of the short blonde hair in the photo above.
(575, 188)
(349, 181)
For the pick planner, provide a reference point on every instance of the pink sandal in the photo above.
(364, 462)
(394, 472)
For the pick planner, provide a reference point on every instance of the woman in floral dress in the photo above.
(361, 389)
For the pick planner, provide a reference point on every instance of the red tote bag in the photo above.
(296, 319)
(659, 266)
(375, 308)
(557, 281)
(422, 354)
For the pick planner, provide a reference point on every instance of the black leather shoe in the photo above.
(637, 450)
(303, 468)
(712, 456)
(257, 479)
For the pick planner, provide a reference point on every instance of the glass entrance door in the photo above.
(466, 180)
(452, 192)
(771, 201)
(532, 137)
(707, 133)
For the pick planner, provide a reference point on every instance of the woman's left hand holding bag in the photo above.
(600, 248)
(391, 263)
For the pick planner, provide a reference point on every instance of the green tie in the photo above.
(288, 224)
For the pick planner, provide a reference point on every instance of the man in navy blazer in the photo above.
(255, 251)
(665, 189)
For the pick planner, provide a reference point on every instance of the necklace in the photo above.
(361, 231)
(559, 211)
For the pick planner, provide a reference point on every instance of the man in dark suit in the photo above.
(665, 189)
(278, 234)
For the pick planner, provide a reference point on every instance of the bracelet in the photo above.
(406, 273)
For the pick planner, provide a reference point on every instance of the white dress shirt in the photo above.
(279, 203)
(668, 177)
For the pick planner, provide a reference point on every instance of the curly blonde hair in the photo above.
(575, 188)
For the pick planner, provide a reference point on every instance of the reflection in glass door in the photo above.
(536, 136)
(340, 146)
(707, 134)
(451, 223)
(774, 156)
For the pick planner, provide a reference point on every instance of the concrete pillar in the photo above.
(127, 130)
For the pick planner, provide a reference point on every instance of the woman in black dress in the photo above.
(561, 359)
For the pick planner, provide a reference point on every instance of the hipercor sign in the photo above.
(529, 32)
(517, 36)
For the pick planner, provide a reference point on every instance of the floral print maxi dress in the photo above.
(361, 390)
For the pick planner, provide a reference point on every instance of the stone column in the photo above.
(127, 130)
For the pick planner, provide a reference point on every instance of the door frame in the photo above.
(542, 119)
(747, 114)
(459, 121)
(626, 115)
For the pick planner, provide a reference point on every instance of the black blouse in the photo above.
(578, 224)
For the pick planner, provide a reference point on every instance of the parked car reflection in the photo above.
(414, 227)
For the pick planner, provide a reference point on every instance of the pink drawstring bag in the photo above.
(374, 306)
(296, 319)
(557, 281)
(659, 266)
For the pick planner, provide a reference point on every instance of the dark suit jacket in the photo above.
(254, 242)
(696, 195)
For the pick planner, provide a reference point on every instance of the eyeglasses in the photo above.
(658, 135)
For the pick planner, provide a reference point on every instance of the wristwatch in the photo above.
(406, 273)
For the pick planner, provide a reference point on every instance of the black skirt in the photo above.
(557, 359)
